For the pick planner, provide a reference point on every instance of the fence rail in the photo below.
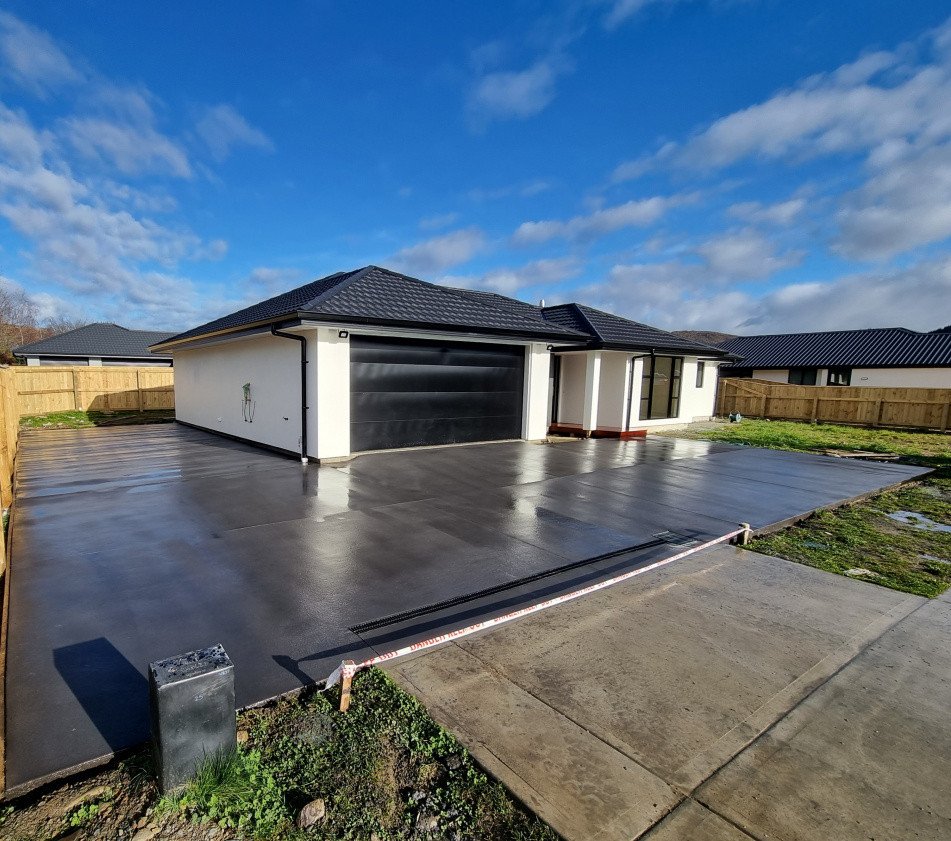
(42, 389)
(920, 408)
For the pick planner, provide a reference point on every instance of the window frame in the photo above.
(701, 366)
(837, 371)
(800, 372)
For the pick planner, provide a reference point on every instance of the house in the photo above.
(97, 344)
(891, 357)
(371, 359)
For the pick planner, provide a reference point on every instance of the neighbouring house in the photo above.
(372, 359)
(891, 357)
(97, 344)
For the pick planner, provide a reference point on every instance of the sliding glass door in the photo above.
(660, 387)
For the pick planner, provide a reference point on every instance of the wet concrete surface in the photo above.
(132, 545)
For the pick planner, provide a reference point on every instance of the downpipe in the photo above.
(303, 386)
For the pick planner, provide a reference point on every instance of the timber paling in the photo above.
(913, 408)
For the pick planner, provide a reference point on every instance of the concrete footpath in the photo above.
(727, 697)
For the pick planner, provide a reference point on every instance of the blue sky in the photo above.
(740, 165)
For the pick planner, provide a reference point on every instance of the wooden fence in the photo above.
(42, 389)
(921, 408)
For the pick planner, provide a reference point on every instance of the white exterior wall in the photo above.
(881, 377)
(571, 391)
(778, 376)
(328, 393)
(612, 396)
(535, 392)
(902, 377)
(697, 403)
(208, 393)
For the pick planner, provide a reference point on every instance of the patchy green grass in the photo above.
(384, 770)
(861, 540)
(85, 420)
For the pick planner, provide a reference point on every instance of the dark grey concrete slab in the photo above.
(132, 545)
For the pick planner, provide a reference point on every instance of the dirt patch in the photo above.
(384, 770)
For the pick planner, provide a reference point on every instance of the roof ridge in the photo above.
(594, 330)
(453, 292)
(337, 287)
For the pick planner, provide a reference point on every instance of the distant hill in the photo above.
(706, 337)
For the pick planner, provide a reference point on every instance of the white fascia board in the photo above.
(397, 333)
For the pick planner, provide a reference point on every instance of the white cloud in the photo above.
(905, 205)
(523, 190)
(621, 10)
(782, 213)
(440, 253)
(674, 296)
(31, 58)
(440, 220)
(223, 128)
(746, 254)
(636, 213)
(508, 94)
(132, 150)
(508, 281)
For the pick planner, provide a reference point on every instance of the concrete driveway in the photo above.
(726, 697)
(131, 545)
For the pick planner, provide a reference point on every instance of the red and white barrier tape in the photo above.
(350, 669)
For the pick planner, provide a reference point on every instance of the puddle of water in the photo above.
(918, 521)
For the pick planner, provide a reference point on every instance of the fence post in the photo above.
(76, 403)
(944, 416)
(138, 387)
(815, 408)
(762, 414)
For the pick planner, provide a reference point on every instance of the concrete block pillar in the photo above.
(592, 390)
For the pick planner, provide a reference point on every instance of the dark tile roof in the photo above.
(614, 332)
(101, 339)
(373, 295)
(880, 348)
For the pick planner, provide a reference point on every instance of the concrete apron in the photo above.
(729, 696)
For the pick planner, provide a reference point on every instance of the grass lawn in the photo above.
(84, 420)
(383, 770)
(912, 554)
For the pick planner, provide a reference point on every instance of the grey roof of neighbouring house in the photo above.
(377, 296)
(889, 347)
(102, 340)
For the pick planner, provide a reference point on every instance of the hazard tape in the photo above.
(348, 670)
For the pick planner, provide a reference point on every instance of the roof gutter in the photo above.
(303, 386)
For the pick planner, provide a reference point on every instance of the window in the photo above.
(700, 366)
(803, 376)
(660, 387)
(839, 376)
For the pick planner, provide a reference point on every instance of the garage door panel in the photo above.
(369, 377)
(412, 393)
(420, 405)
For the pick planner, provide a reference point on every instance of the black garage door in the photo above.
(407, 393)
